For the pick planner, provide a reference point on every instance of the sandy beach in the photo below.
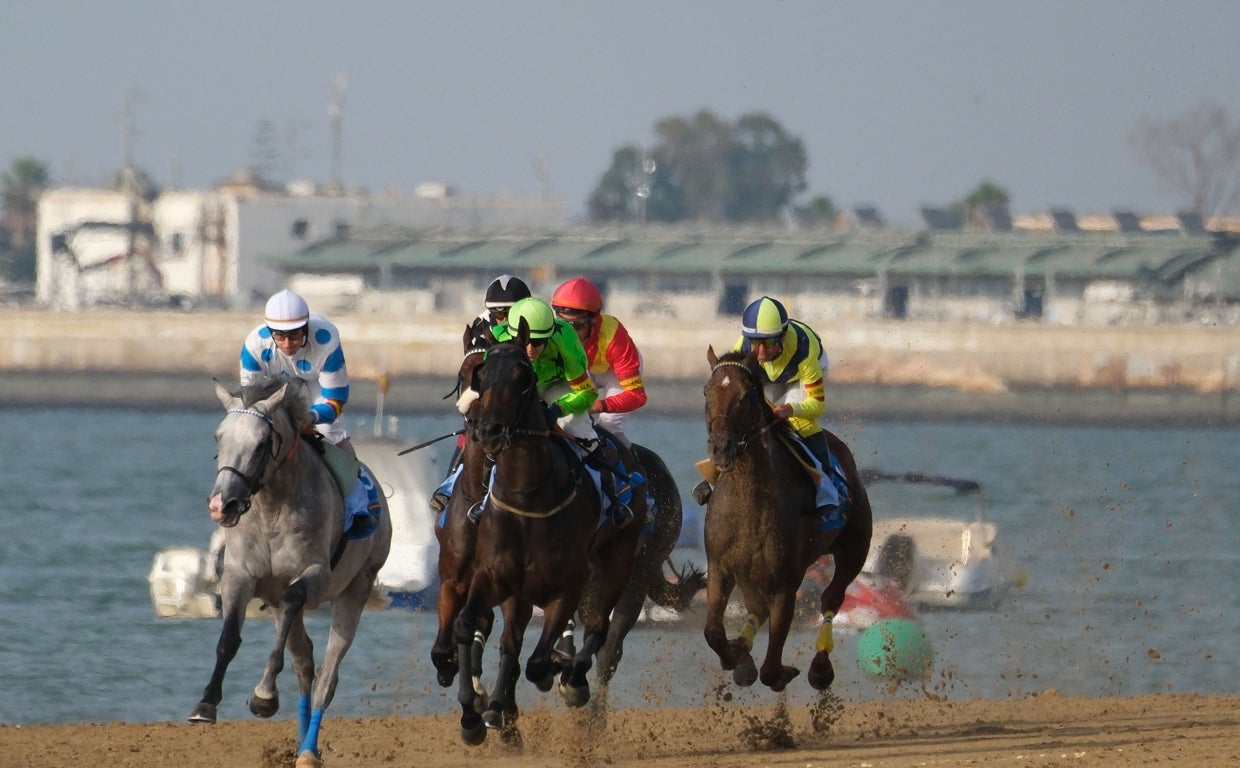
(1042, 730)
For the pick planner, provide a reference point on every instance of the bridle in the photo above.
(266, 452)
(510, 429)
(752, 386)
(527, 395)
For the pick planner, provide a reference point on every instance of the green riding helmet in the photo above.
(536, 313)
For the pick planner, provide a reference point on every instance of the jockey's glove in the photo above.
(554, 412)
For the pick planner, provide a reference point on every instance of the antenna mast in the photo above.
(335, 110)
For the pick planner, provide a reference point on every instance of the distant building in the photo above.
(102, 246)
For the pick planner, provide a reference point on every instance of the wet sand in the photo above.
(1043, 730)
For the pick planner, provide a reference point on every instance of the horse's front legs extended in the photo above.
(235, 595)
(775, 674)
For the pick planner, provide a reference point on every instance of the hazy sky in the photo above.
(898, 103)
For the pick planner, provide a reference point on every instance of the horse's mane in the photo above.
(294, 402)
(750, 362)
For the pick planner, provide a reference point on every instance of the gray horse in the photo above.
(284, 543)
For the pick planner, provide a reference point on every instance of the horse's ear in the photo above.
(523, 332)
(711, 357)
(223, 394)
(270, 403)
(468, 338)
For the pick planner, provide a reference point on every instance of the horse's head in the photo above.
(736, 408)
(476, 340)
(257, 428)
(507, 389)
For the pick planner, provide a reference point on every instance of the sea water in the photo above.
(1126, 541)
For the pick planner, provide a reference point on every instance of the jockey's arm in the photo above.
(333, 387)
(626, 362)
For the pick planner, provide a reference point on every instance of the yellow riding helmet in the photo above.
(536, 313)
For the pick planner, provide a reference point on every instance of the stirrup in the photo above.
(620, 514)
(702, 493)
(438, 501)
(475, 513)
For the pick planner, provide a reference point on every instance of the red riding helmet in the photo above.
(579, 294)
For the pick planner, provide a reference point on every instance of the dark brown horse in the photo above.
(456, 533)
(649, 579)
(538, 538)
(762, 532)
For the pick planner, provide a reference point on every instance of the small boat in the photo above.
(184, 580)
(958, 561)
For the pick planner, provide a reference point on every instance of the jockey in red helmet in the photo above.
(615, 362)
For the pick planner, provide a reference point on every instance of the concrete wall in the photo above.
(972, 357)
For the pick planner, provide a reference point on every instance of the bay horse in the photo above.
(456, 533)
(761, 529)
(284, 542)
(538, 539)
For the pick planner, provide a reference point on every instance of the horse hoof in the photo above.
(473, 732)
(308, 759)
(544, 684)
(786, 675)
(575, 696)
(264, 707)
(203, 713)
(493, 719)
(821, 675)
(745, 673)
(445, 678)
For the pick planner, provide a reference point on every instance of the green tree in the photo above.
(985, 198)
(22, 184)
(1196, 154)
(703, 168)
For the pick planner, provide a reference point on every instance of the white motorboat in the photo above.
(959, 561)
(184, 580)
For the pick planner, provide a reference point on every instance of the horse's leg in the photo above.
(301, 649)
(756, 613)
(614, 565)
(482, 632)
(718, 590)
(235, 595)
(443, 651)
(346, 615)
(623, 619)
(265, 701)
(539, 668)
(850, 550)
(502, 711)
(775, 674)
(473, 732)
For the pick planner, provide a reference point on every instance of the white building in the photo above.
(102, 246)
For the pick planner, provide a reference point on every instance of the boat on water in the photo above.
(958, 560)
(184, 580)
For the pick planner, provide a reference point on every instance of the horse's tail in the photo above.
(677, 590)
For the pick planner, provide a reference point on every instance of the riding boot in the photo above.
(605, 460)
(439, 499)
(475, 512)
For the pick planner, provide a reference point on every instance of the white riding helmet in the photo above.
(286, 311)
